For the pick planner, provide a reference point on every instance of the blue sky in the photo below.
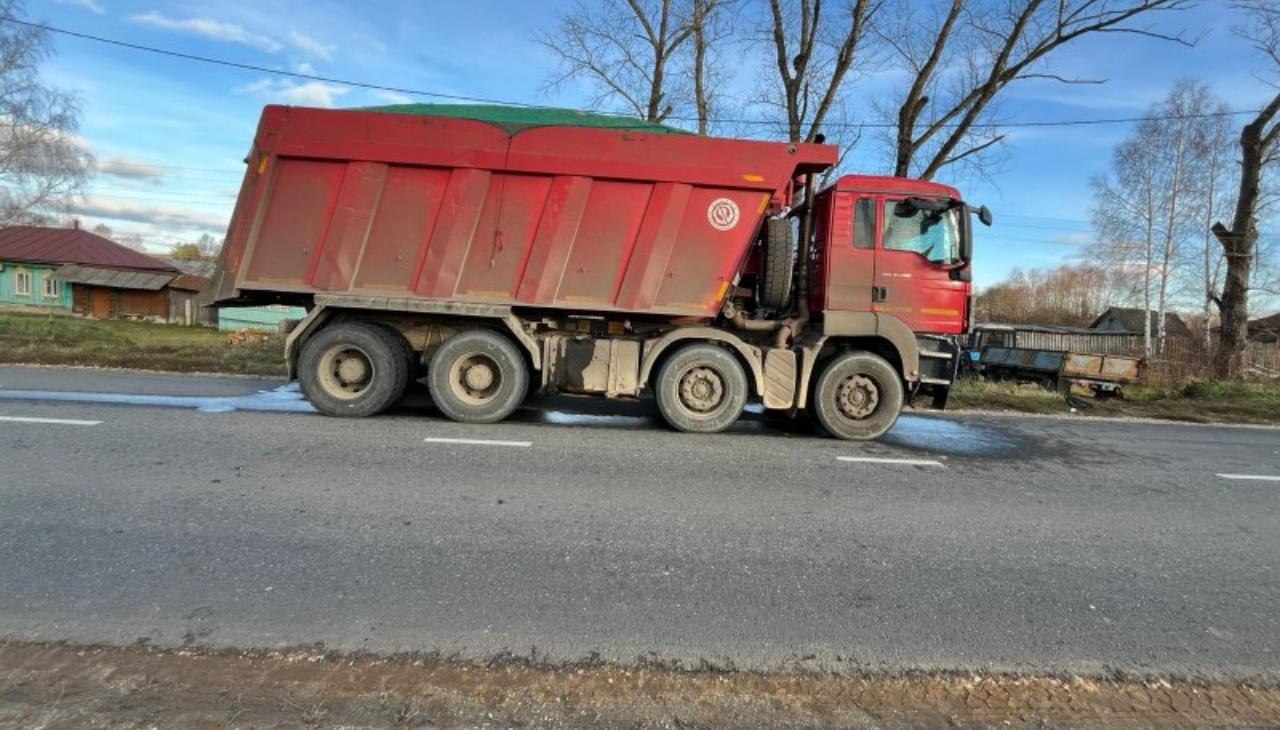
(170, 134)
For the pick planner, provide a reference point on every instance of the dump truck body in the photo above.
(376, 204)
(500, 255)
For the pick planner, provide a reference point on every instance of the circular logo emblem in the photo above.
(722, 214)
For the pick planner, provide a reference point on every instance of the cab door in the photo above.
(850, 253)
(917, 274)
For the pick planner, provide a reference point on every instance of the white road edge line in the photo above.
(1251, 477)
(479, 442)
(55, 421)
(875, 460)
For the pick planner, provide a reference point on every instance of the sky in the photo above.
(170, 134)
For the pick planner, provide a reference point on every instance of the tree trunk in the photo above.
(699, 64)
(1238, 242)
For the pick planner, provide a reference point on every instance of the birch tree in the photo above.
(1153, 201)
(43, 164)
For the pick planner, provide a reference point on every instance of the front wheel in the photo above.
(701, 389)
(858, 396)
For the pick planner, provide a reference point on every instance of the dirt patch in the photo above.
(63, 686)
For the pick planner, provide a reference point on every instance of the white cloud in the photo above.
(171, 216)
(310, 93)
(392, 97)
(209, 28)
(309, 45)
(1072, 239)
(90, 5)
(122, 167)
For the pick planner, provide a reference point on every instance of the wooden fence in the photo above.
(1184, 352)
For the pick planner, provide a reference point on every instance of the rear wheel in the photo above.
(701, 389)
(354, 369)
(478, 376)
(858, 396)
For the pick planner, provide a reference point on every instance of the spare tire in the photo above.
(779, 264)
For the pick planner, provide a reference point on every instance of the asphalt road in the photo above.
(994, 543)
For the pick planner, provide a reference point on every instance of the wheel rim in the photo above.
(345, 371)
(475, 378)
(857, 397)
(702, 390)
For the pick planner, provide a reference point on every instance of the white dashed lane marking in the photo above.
(1251, 477)
(877, 460)
(51, 421)
(479, 442)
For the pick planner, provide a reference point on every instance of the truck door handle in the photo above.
(879, 293)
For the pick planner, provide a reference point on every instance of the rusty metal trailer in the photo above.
(1101, 373)
(504, 257)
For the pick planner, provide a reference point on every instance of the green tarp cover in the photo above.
(524, 116)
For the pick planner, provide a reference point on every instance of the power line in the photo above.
(504, 102)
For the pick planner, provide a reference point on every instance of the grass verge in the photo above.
(1196, 402)
(60, 339)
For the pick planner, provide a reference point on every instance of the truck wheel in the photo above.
(354, 369)
(701, 389)
(779, 263)
(858, 396)
(477, 376)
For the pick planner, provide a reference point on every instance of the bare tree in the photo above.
(42, 163)
(815, 45)
(1258, 149)
(208, 246)
(959, 65)
(1157, 195)
(627, 51)
(1125, 220)
(102, 229)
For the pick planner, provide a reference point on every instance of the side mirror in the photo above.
(984, 215)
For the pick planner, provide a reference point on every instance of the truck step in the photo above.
(936, 353)
(934, 381)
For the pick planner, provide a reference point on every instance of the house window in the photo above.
(22, 283)
(52, 287)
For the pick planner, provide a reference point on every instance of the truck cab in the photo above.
(882, 251)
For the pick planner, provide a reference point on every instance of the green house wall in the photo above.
(256, 318)
(39, 272)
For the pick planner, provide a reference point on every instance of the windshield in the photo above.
(932, 234)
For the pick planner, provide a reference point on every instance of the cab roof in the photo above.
(888, 184)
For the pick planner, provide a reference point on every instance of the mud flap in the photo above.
(779, 377)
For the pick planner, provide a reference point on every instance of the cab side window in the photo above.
(864, 223)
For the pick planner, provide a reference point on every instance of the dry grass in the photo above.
(60, 339)
(1204, 401)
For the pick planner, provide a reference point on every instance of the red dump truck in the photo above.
(499, 252)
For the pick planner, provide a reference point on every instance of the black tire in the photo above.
(779, 264)
(406, 350)
(701, 388)
(354, 369)
(478, 376)
(858, 396)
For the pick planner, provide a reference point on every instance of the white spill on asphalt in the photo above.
(285, 399)
(478, 442)
(51, 421)
(886, 460)
(1251, 477)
